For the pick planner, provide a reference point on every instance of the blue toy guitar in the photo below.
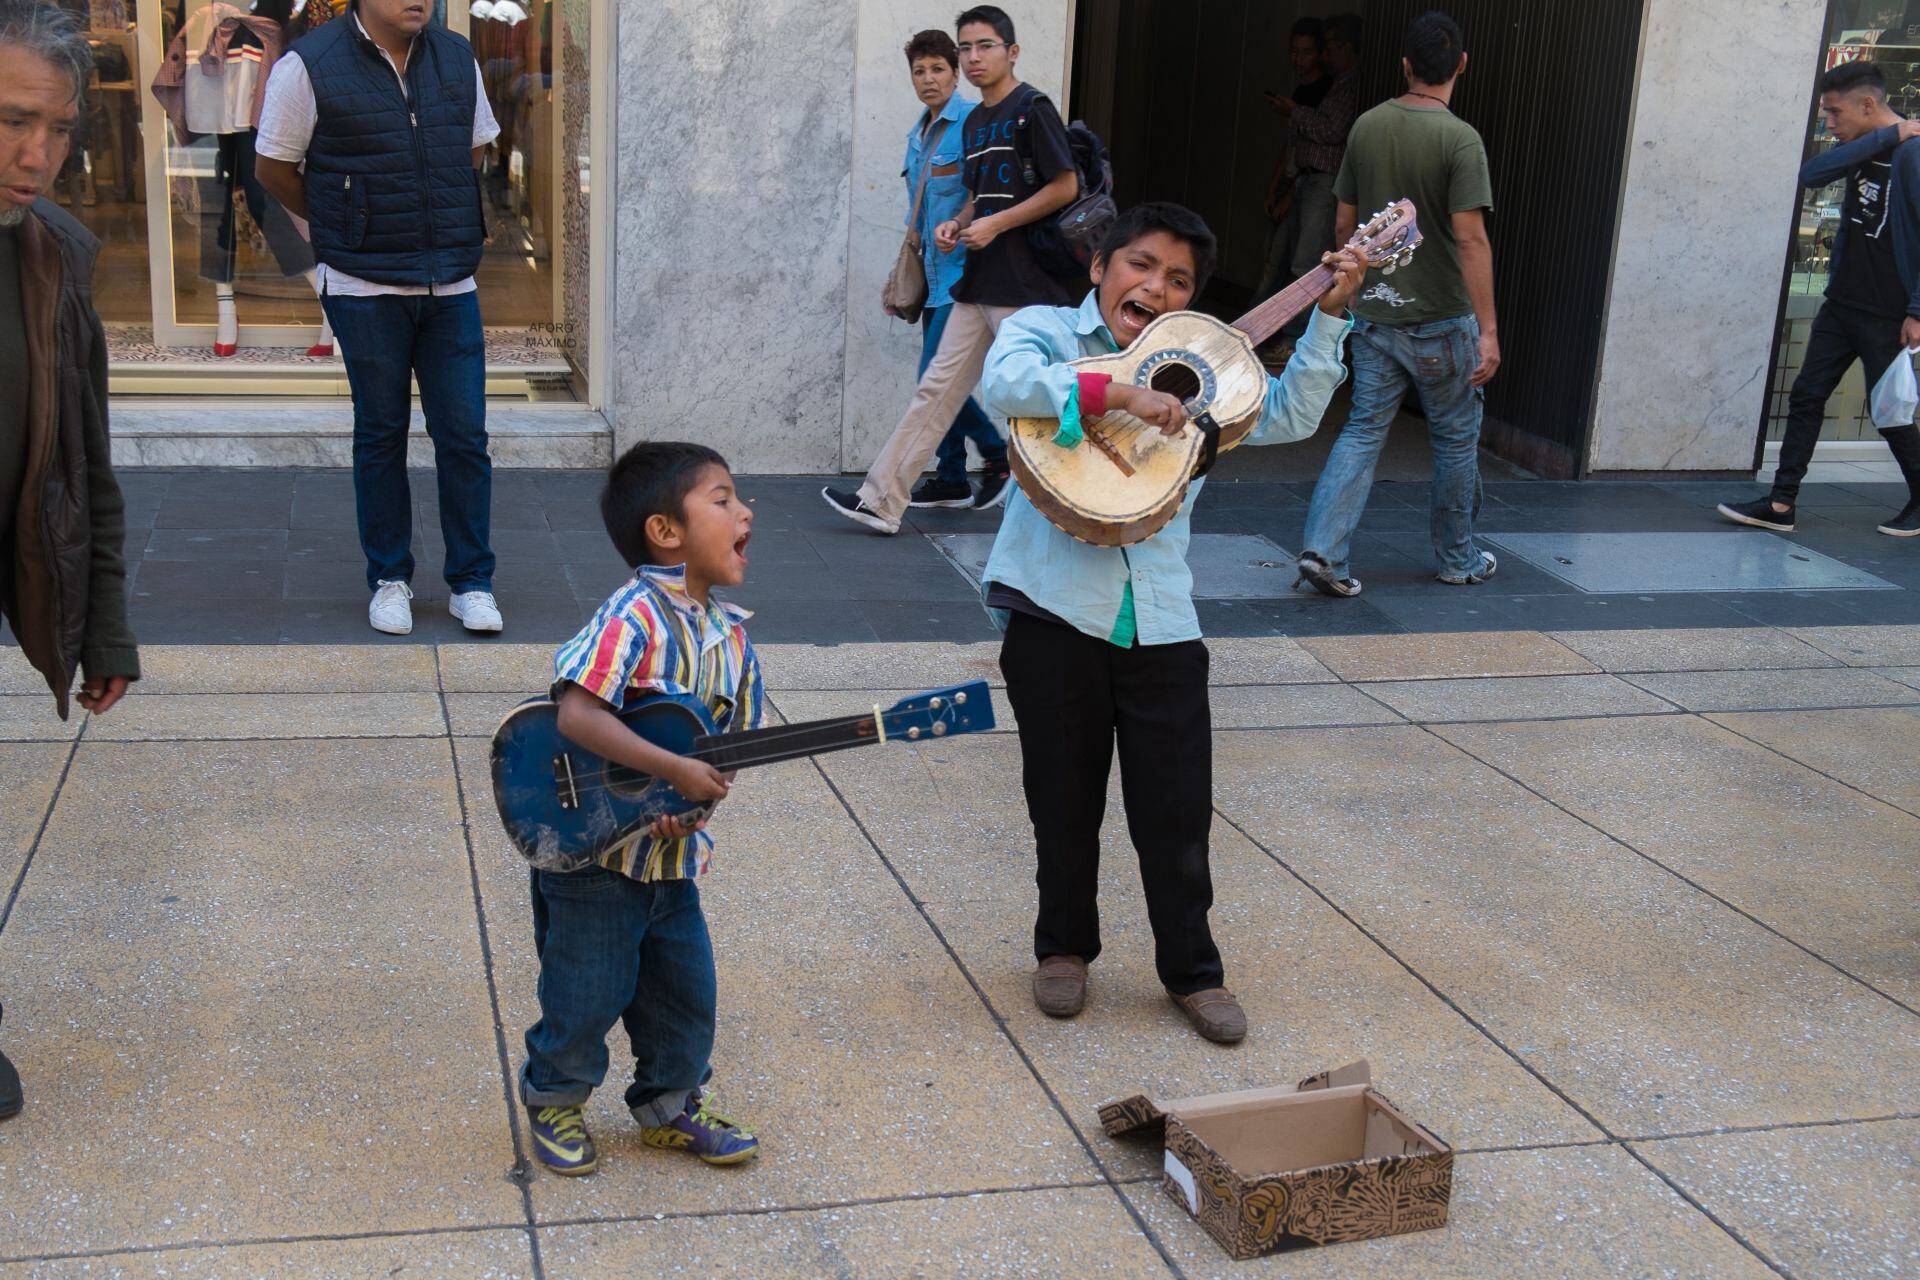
(564, 806)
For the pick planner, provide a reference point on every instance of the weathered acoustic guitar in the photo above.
(1126, 479)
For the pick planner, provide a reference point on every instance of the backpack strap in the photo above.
(1022, 140)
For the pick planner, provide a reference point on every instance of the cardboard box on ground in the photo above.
(1326, 1160)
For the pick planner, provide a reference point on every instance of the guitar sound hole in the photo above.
(1176, 380)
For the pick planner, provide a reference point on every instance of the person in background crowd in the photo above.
(1430, 327)
(63, 584)
(389, 192)
(1004, 197)
(1872, 308)
(935, 150)
(1319, 116)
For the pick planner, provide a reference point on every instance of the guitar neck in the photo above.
(776, 743)
(1266, 319)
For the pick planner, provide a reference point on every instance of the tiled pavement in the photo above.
(1627, 915)
(271, 556)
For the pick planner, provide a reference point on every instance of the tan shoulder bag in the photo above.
(906, 292)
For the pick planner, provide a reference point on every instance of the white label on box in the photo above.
(1184, 1176)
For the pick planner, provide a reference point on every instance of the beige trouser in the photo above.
(943, 388)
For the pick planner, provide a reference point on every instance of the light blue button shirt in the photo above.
(1027, 376)
(946, 195)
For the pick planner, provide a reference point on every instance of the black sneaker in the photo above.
(1906, 524)
(850, 506)
(1315, 573)
(942, 493)
(993, 489)
(1760, 514)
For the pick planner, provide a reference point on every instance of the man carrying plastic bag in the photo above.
(1872, 309)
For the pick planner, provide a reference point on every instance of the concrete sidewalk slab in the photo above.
(502, 1254)
(969, 864)
(1069, 1231)
(32, 771)
(1595, 967)
(1772, 855)
(1695, 649)
(30, 717)
(1439, 656)
(1578, 1213)
(1834, 1201)
(1754, 690)
(1514, 698)
(1871, 646)
(275, 669)
(1869, 749)
(286, 715)
(230, 943)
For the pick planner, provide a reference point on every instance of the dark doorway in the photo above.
(1175, 87)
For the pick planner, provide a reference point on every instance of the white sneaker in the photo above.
(390, 611)
(476, 610)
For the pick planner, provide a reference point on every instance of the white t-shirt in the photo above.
(286, 129)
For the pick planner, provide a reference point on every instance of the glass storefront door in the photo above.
(1887, 32)
(163, 174)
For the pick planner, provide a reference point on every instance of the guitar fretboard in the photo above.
(775, 743)
(1265, 320)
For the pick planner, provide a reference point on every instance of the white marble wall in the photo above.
(1719, 124)
(881, 352)
(734, 131)
(758, 208)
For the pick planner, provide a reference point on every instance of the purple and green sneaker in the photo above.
(703, 1131)
(561, 1141)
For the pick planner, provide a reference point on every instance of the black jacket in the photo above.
(67, 595)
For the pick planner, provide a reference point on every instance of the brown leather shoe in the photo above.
(1214, 1013)
(1060, 986)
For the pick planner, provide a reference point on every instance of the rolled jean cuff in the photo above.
(573, 1095)
(661, 1108)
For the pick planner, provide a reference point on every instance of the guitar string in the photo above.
(772, 736)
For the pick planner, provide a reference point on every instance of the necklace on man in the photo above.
(1415, 93)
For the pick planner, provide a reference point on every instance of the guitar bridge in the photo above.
(1099, 441)
(564, 784)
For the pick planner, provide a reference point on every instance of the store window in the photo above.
(163, 175)
(1889, 34)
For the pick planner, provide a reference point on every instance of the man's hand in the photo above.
(1155, 408)
(1489, 361)
(947, 235)
(697, 780)
(99, 693)
(1282, 105)
(1909, 333)
(1909, 129)
(1349, 269)
(1278, 206)
(981, 232)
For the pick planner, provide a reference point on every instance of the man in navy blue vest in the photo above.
(388, 116)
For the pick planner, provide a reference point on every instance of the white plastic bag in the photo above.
(1895, 396)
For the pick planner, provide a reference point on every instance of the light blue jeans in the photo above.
(1435, 359)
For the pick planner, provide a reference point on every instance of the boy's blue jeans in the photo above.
(1435, 359)
(971, 423)
(613, 950)
(386, 342)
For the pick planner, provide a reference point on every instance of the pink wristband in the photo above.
(1093, 394)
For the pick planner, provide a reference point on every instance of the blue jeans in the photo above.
(1436, 359)
(615, 950)
(385, 341)
(971, 423)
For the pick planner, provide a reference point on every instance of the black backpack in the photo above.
(1065, 242)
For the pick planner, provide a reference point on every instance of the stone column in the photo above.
(1720, 119)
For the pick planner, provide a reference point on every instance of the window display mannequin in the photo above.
(213, 84)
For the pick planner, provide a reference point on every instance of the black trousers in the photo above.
(1841, 335)
(1075, 697)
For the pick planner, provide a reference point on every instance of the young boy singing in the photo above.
(1102, 643)
(626, 941)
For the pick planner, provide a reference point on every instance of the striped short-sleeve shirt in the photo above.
(652, 637)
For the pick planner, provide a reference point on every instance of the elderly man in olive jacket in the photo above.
(62, 579)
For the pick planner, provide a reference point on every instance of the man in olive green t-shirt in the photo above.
(1430, 326)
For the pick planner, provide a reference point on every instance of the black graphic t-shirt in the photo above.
(1005, 274)
(1866, 276)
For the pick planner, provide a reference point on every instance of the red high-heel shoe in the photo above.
(225, 348)
(321, 351)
